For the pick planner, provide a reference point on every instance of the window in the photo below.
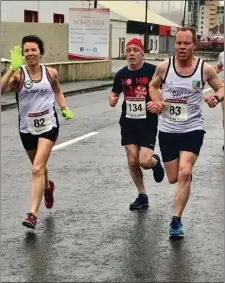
(58, 18)
(121, 47)
(30, 16)
(202, 23)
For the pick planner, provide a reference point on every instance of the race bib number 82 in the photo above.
(39, 123)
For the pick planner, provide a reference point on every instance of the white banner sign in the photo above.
(89, 33)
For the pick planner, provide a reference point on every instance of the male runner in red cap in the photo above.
(138, 124)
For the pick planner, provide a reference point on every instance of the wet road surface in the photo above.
(90, 235)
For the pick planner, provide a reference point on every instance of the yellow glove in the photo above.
(66, 113)
(16, 58)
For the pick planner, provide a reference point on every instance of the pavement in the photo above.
(90, 235)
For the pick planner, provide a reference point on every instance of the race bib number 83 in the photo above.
(175, 110)
(135, 108)
(39, 123)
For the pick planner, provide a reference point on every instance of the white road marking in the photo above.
(64, 144)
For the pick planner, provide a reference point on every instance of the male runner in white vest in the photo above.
(182, 78)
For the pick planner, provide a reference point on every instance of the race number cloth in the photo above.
(175, 110)
(135, 108)
(39, 122)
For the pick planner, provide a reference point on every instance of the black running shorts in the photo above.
(172, 143)
(141, 133)
(30, 142)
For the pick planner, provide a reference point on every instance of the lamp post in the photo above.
(146, 26)
(185, 5)
(95, 4)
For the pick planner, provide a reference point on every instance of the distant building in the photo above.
(193, 12)
(217, 29)
(220, 12)
(210, 15)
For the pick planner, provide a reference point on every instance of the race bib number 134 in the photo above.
(135, 108)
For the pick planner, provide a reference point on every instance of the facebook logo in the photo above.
(81, 48)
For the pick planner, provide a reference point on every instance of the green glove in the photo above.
(16, 58)
(66, 113)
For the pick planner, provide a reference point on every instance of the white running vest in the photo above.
(36, 105)
(184, 98)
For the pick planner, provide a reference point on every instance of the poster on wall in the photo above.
(89, 33)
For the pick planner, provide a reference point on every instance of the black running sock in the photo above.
(143, 194)
(176, 218)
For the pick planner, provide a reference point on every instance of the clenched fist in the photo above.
(113, 99)
(212, 100)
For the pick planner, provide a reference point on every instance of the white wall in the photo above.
(45, 9)
(13, 11)
(118, 31)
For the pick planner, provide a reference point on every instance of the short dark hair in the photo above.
(36, 39)
(194, 35)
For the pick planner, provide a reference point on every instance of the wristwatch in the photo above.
(217, 98)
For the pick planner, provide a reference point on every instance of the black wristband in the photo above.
(217, 98)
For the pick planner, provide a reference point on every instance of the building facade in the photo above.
(220, 13)
(125, 22)
(210, 15)
(39, 11)
(193, 12)
(213, 6)
(203, 20)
